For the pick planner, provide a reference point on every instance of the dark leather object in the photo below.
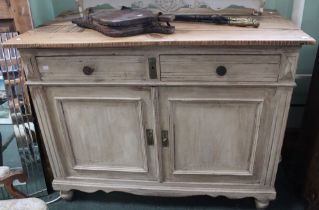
(128, 17)
(126, 22)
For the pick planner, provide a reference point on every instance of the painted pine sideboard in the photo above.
(199, 112)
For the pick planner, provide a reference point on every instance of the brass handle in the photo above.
(149, 137)
(221, 71)
(88, 70)
(165, 138)
(243, 22)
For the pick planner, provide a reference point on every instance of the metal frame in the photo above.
(22, 118)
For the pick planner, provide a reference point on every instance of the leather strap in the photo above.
(153, 27)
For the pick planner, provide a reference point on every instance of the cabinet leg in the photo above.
(66, 195)
(261, 204)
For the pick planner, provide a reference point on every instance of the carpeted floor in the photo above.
(286, 200)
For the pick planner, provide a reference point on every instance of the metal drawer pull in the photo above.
(221, 71)
(88, 70)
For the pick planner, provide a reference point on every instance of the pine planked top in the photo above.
(274, 30)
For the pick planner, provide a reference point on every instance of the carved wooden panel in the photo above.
(103, 133)
(113, 141)
(214, 136)
(216, 133)
(288, 67)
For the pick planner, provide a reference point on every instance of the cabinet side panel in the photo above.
(42, 112)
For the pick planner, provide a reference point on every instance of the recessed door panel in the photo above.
(103, 131)
(216, 135)
(106, 133)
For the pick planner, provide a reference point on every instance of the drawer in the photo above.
(236, 68)
(92, 68)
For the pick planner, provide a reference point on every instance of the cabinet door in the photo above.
(218, 135)
(102, 131)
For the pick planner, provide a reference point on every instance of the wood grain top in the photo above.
(274, 30)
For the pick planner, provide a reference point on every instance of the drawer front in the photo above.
(92, 68)
(236, 68)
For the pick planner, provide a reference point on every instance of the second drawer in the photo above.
(235, 68)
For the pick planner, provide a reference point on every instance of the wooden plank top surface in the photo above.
(274, 30)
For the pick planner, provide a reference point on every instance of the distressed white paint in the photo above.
(225, 136)
(225, 132)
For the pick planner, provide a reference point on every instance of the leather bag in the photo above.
(126, 22)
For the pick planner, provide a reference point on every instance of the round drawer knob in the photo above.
(221, 71)
(88, 70)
